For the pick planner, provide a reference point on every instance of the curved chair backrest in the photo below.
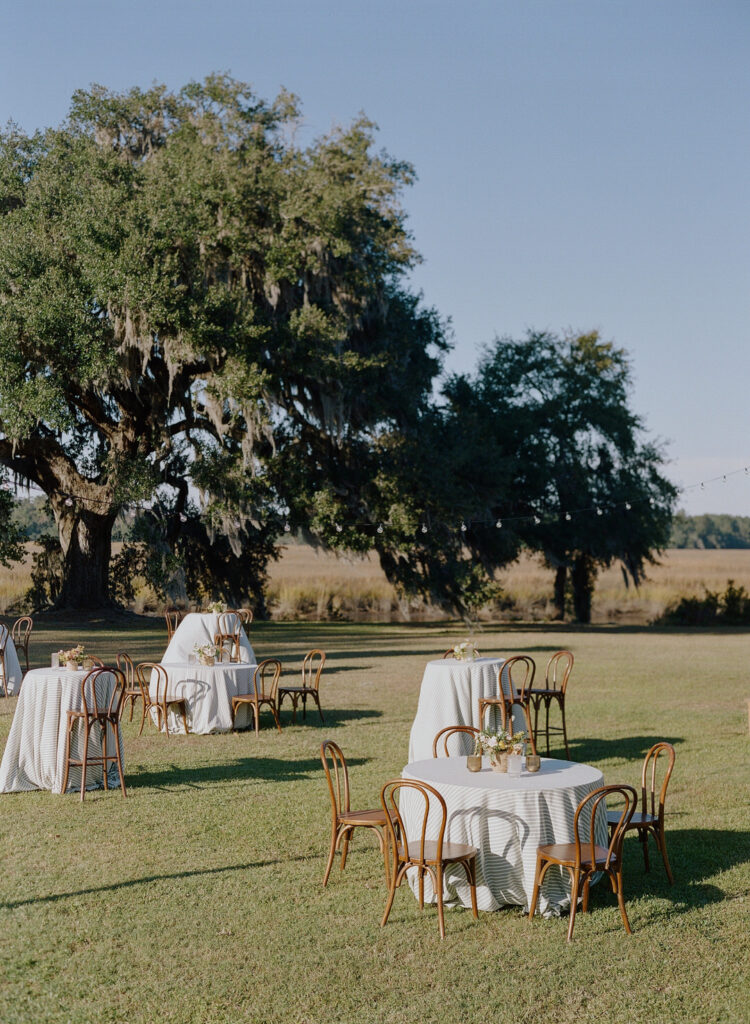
(395, 822)
(21, 630)
(227, 642)
(230, 623)
(148, 672)
(173, 618)
(558, 670)
(588, 809)
(312, 666)
(96, 662)
(337, 776)
(652, 758)
(447, 732)
(270, 669)
(449, 654)
(126, 666)
(245, 615)
(103, 691)
(516, 675)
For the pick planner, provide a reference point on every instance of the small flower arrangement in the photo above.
(516, 742)
(217, 607)
(73, 656)
(465, 651)
(493, 742)
(206, 652)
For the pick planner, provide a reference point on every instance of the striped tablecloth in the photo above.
(208, 690)
(201, 628)
(12, 668)
(34, 756)
(506, 817)
(449, 695)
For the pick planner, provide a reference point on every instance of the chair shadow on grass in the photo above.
(334, 717)
(260, 769)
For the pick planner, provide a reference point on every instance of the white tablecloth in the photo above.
(449, 695)
(12, 668)
(506, 817)
(208, 690)
(200, 628)
(34, 756)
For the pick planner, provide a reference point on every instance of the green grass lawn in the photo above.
(199, 898)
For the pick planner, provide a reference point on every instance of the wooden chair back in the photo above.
(266, 677)
(337, 776)
(447, 732)
(126, 666)
(145, 672)
(101, 697)
(648, 786)
(96, 662)
(585, 819)
(558, 670)
(173, 618)
(312, 666)
(516, 676)
(244, 615)
(449, 654)
(412, 850)
(228, 634)
(21, 634)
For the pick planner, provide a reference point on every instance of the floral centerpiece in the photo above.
(466, 651)
(72, 658)
(495, 746)
(217, 607)
(206, 653)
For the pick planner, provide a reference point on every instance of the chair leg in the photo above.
(661, 841)
(384, 840)
(421, 888)
(471, 871)
(547, 703)
(143, 718)
(575, 882)
(275, 714)
(561, 702)
(331, 854)
(535, 892)
(183, 709)
(256, 717)
(84, 759)
(118, 752)
(304, 707)
(105, 776)
(391, 894)
(345, 837)
(317, 701)
(439, 894)
(621, 904)
(643, 836)
(294, 709)
(67, 758)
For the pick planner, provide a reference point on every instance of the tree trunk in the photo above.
(86, 542)
(583, 577)
(561, 580)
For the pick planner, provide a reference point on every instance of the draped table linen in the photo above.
(208, 691)
(506, 818)
(12, 668)
(449, 695)
(201, 628)
(34, 756)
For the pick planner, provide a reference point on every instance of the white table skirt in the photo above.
(200, 628)
(34, 756)
(506, 817)
(12, 668)
(208, 690)
(449, 695)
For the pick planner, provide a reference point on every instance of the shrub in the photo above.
(732, 608)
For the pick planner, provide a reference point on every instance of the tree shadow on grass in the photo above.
(334, 717)
(148, 879)
(265, 769)
(589, 751)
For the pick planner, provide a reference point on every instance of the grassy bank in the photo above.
(199, 898)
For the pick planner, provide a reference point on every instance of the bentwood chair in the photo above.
(265, 691)
(452, 730)
(228, 636)
(244, 615)
(556, 678)
(4, 634)
(583, 857)
(133, 690)
(450, 653)
(102, 694)
(651, 820)
(21, 634)
(312, 666)
(173, 618)
(150, 674)
(515, 693)
(428, 856)
(343, 819)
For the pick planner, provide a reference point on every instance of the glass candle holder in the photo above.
(533, 762)
(474, 762)
(55, 660)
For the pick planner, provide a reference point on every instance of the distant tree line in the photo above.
(710, 531)
(207, 342)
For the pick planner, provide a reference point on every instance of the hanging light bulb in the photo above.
(499, 524)
(463, 527)
(568, 517)
(651, 502)
(628, 506)
(380, 527)
(183, 517)
(599, 512)
(537, 520)
(287, 528)
(424, 528)
(69, 502)
(339, 527)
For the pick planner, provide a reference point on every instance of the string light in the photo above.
(339, 528)
(69, 502)
(183, 517)
(628, 506)
(424, 528)
(499, 524)
(599, 512)
(568, 516)
(380, 527)
(287, 528)
(537, 520)
(463, 527)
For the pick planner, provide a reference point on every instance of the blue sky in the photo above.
(582, 163)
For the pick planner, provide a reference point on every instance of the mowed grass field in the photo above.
(199, 898)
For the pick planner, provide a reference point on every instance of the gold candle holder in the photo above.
(533, 762)
(474, 762)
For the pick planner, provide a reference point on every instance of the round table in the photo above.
(449, 695)
(208, 691)
(201, 628)
(506, 817)
(34, 756)
(13, 674)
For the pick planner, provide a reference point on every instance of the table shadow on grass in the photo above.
(148, 879)
(265, 769)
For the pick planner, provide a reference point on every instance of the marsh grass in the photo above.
(199, 899)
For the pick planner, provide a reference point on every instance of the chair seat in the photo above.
(639, 818)
(534, 692)
(451, 851)
(250, 698)
(565, 853)
(371, 817)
